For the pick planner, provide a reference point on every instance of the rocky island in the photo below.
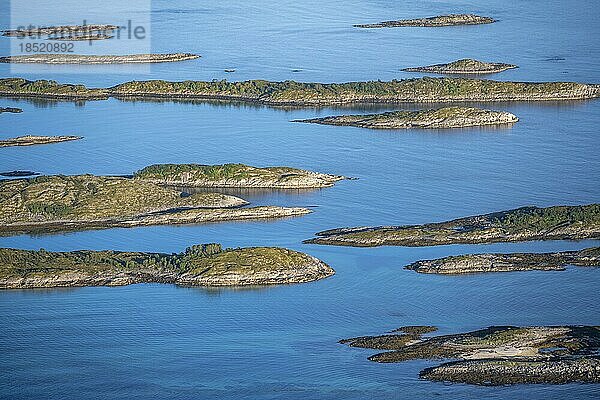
(521, 224)
(442, 118)
(234, 175)
(63, 203)
(200, 265)
(18, 173)
(441, 20)
(464, 66)
(480, 263)
(97, 59)
(10, 110)
(30, 140)
(291, 93)
(498, 355)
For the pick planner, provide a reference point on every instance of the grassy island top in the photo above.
(207, 264)
(88, 197)
(521, 351)
(293, 93)
(480, 263)
(234, 175)
(526, 223)
(448, 117)
(440, 20)
(464, 66)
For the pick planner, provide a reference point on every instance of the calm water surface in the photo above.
(162, 341)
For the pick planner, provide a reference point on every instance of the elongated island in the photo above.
(521, 224)
(10, 110)
(442, 118)
(495, 262)
(291, 93)
(63, 203)
(200, 265)
(464, 66)
(498, 355)
(440, 20)
(235, 176)
(96, 59)
(30, 140)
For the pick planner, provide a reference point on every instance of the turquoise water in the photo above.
(164, 341)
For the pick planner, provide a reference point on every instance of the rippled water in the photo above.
(163, 341)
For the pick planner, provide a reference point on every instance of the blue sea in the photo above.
(168, 342)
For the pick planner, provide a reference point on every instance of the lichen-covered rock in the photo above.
(521, 224)
(64, 203)
(201, 265)
(498, 354)
(30, 140)
(480, 263)
(441, 20)
(234, 175)
(464, 66)
(442, 118)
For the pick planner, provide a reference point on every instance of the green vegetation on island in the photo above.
(291, 93)
(234, 175)
(62, 203)
(441, 20)
(497, 355)
(30, 140)
(464, 66)
(442, 118)
(200, 265)
(521, 224)
(480, 263)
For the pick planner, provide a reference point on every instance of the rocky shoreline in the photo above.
(441, 20)
(497, 355)
(47, 204)
(482, 263)
(18, 173)
(464, 66)
(234, 176)
(97, 59)
(200, 265)
(443, 118)
(290, 93)
(30, 140)
(521, 224)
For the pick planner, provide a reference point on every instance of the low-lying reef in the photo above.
(63, 203)
(30, 140)
(442, 118)
(18, 173)
(83, 37)
(62, 31)
(291, 93)
(521, 224)
(497, 355)
(97, 59)
(480, 263)
(199, 265)
(234, 175)
(464, 66)
(10, 110)
(441, 20)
